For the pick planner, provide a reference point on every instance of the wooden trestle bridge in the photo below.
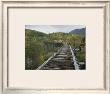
(64, 59)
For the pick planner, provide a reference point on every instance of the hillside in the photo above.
(40, 46)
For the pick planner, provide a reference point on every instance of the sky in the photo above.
(53, 28)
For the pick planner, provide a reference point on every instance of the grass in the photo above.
(80, 55)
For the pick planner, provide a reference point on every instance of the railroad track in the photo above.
(64, 59)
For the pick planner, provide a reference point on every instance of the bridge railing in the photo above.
(40, 67)
(74, 59)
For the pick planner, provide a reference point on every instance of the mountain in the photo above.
(78, 31)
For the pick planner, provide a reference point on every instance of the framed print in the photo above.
(55, 47)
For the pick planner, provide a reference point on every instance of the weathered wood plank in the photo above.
(74, 60)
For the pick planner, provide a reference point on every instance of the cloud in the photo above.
(53, 28)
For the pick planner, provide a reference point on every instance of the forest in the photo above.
(40, 46)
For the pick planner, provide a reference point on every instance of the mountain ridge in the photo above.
(80, 31)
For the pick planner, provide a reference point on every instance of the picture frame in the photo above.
(4, 73)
